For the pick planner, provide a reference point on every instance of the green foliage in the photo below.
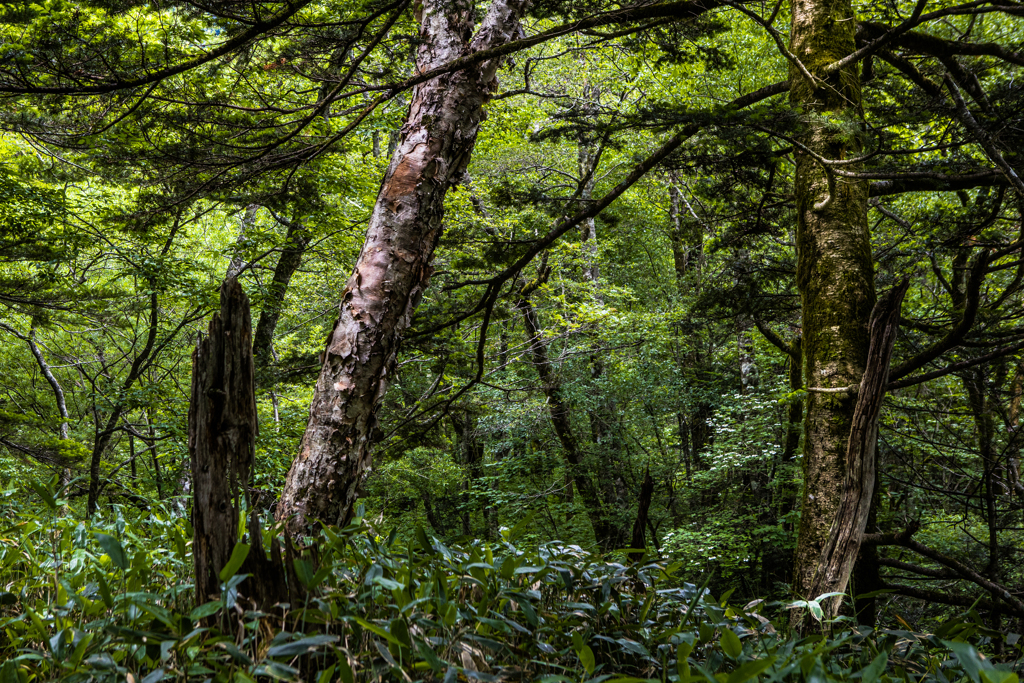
(107, 600)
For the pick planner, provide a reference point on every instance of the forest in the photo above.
(497, 340)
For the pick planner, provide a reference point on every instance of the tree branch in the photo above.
(957, 334)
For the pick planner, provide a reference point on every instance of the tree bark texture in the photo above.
(295, 243)
(835, 273)
(686, 237)
(223, 425)
(222, 435)
(393, 268)
(588, 158)
(843, 543)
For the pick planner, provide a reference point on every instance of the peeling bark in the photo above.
(393, 268)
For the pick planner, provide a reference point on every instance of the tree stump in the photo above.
(223, 426)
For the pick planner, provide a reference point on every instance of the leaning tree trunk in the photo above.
(295, 243)
(393, 268)
(843, 543)
(606, 533)
(835, 273)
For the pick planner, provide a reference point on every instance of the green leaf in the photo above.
(529, 613)
(238, 555)
(400, 630)
(520, 528)
(421, 538)
(319, 577)
(303, 646)
(430, 656)
(998, 676)
(304, 570)
(969, 659)
(108, 599)
(154, 676)
(873, 670)
(682, 665)
(206, 610)
(586, 656)
(345, 670)
(326, 674)
(731, 644)
(44, 493)
(9, 672)
(112, 547)
(372, 628)
(79, 653)
(750, 670)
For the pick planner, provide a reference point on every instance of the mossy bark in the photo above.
(835, 272)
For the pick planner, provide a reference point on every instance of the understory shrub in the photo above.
(112, 600)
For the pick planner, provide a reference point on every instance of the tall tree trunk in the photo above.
(588, 158)
(638, 541)
(685, 236)
(245, 227)
(393, 268)
(295, 243)
(975, 382)
(472, 456)
(687, 241)
(839, 552)
(607, 446)
(835, 273)
(604, 532)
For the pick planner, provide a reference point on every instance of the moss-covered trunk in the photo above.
(835, 271)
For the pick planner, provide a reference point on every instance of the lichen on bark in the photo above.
(835, 273)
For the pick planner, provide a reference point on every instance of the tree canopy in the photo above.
(717, 292)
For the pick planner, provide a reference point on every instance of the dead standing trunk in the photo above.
(638, 541)
(843, 543)
(393, 268)
(835, 273)
(222, 433)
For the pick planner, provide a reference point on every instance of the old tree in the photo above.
(733, 283)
